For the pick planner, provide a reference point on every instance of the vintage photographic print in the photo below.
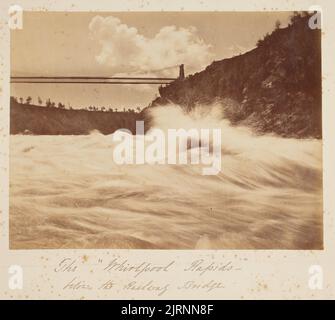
(166, 130)
(167, 150)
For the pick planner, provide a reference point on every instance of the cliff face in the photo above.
(52, 121)
(276, 87)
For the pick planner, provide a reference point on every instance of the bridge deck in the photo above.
(93, 80)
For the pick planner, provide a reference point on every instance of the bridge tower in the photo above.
(181, 72)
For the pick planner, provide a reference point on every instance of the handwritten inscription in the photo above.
(207, 286)
(147, 286)
(143, 276)
(66, 265)
(76, 284)
(137, 269)
(202, 267)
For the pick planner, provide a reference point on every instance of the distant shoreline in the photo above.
(39, 120)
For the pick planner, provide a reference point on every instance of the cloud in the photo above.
(123, 48)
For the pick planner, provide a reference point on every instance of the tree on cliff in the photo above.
(28, 100)
(13, 100)
(48, 103)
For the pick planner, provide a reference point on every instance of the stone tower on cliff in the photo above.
(181, 72)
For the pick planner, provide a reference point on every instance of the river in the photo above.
(67, 192)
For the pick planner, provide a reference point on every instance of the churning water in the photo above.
(67, 192)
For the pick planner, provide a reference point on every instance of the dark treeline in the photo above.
(28, 118)
(50, 104)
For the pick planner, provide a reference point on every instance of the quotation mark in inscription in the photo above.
(15, 279)
(15, 14)
(315, 281)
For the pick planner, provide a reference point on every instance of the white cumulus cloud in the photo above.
(122, 47)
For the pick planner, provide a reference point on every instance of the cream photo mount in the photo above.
(169, 274)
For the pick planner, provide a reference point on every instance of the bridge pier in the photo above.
(181, 72)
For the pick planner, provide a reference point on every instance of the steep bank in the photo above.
(275, 87)
(53, 121)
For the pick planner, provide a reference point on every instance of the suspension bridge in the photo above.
(99, 80)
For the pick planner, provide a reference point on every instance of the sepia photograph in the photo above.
(166, 130)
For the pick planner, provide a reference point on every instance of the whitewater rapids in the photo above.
(66, 192)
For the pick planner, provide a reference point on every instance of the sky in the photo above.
(126, 44)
